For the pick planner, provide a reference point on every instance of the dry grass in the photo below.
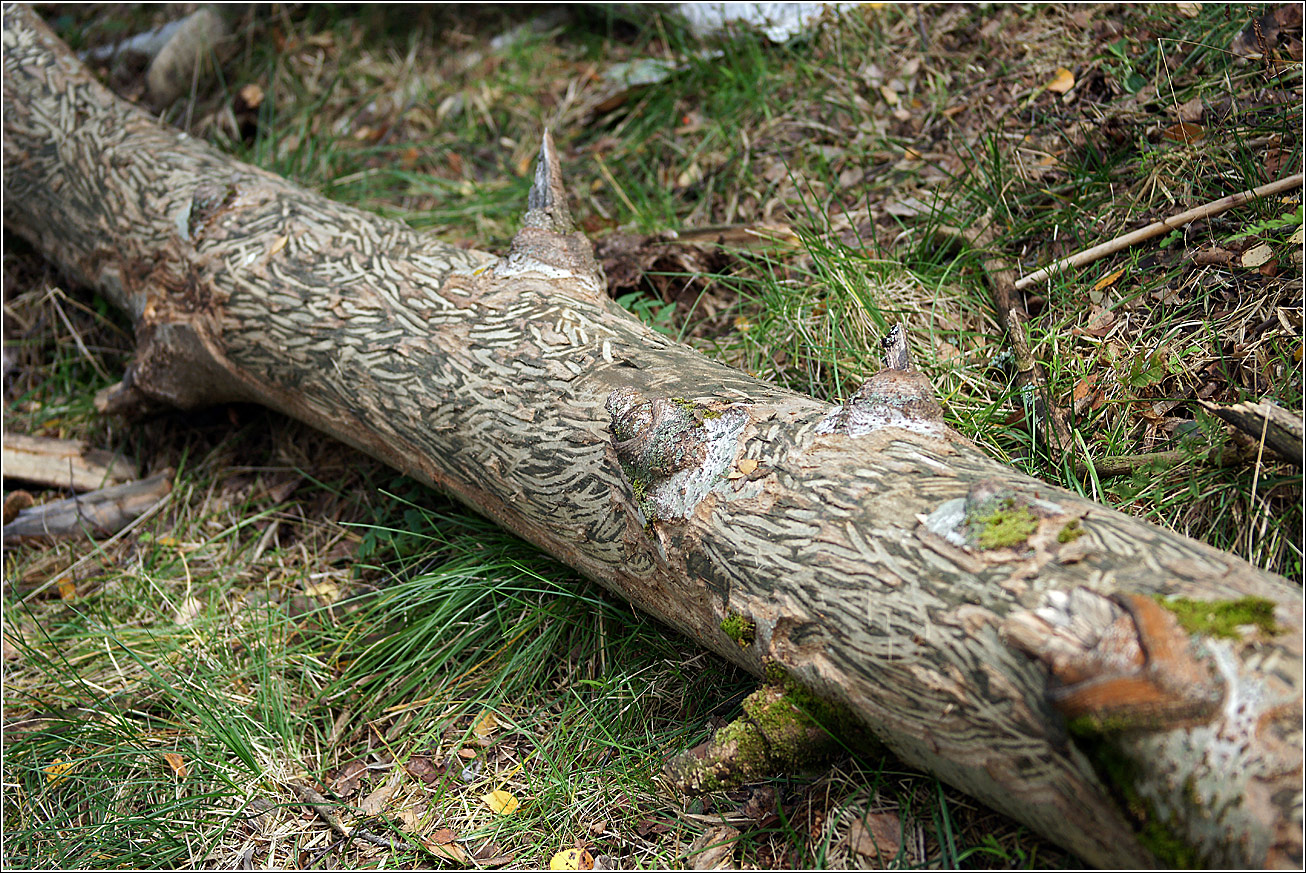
(296, 611)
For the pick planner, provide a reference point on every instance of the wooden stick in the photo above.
(1011, 315)
(1224, 204)
(56, 463)
(106, 511)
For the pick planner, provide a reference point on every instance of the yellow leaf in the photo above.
(67, 589)
(572, 859)
(278, 244)
(1062, 81)
(485, 725)
(501, 802)
(176, 762)
(324, 588)
(890, 96)
(747, 465)
(1108, 280)
(449, 851)
(1256, 255)
(54, 774)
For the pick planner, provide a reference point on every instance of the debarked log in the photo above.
(1123, 690)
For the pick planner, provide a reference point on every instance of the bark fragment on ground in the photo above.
(882, 562)
(56, 463)
(95, 514)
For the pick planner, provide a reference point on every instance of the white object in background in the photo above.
(779, 21)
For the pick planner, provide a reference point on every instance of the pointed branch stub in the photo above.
(548, 244)
(546, 205)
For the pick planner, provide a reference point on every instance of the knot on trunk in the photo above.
(891, 398)
(657, 437)
(1120, 663)
(672, 451)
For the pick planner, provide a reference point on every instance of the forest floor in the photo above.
(296, 614)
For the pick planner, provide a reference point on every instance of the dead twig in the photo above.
(101, 512)
(1012, 316)
(1123, 465)
(327, 813)
(1174, 222)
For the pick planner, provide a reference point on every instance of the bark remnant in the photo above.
(847, 536)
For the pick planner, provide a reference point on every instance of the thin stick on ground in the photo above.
(327, 813)
(1215, 207)
(1011, 315)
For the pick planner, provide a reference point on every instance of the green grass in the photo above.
(294, 607)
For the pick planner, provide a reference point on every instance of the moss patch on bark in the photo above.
(739, 629)
(1003, 525)
(1222, 618)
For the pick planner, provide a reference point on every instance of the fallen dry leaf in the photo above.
(1256, 255)
(1062, 81)
(743, 468)
(57, 772)
(409, 820)
(876, 837)
(176, 763)
(1108, 280)
(1086, 394)
(714, 849)
(422, 769)
(16, 502)
(1191, 110)
(324, 588)
(450, 851)
(349, 779)
(572, 859)
(1099, 324)
(1184, 132)
(376, 802)
(501, 802)
(486, 724)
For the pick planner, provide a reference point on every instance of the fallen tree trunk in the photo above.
(1026, 645)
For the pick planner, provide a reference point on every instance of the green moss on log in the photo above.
(1222, 618)
(1003, 525)
(1071, 532)
(739, 629)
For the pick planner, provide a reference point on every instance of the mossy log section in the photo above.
(1043, 674)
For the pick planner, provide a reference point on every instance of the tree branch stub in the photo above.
(851, 545)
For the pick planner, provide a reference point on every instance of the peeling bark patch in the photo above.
(672, 452)
(1118, 664)
(995, 524)
(208, 201)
